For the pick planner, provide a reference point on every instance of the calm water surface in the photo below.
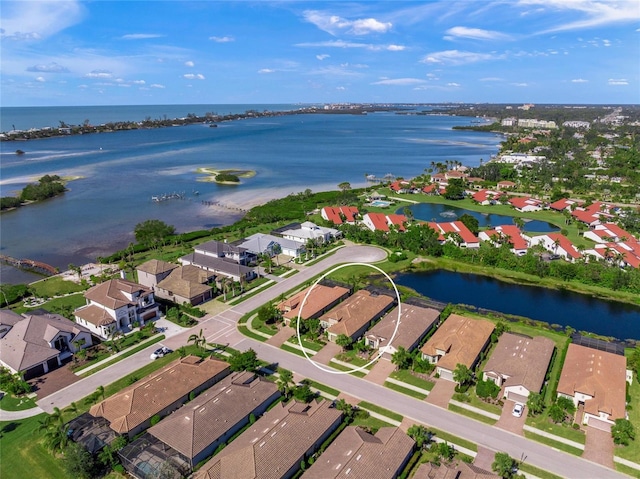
(441, 213)
(566, 308)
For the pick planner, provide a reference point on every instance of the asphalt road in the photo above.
(547, 458)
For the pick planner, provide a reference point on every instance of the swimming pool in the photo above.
(380, 203)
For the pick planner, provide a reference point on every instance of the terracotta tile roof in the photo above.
(359, 455)
(398, 220)
(615, 231)
(379, 221)
(461, 338)
(9, 318)
(187, 281)
(26, 344)
(564, 203)
(111, 293)
(565, 243)
(599, 374)
(455, 227)
(201, 422)
(414, 322)
(511, 232)
(95, 315)
(331, 213)
(522, 359)
(275, 444)
(353, 313)
(520, 202)
(136, 404)
(320, 298)
(156, 266)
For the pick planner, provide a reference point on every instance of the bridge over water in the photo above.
(30, 264)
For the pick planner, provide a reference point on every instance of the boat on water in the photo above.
(167, 196)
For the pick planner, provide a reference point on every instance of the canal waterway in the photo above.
(441, 213)
(566, 308)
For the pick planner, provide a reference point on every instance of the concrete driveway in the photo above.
(598, 447)
(380, 371)
(53, 381)
(441, 393)
(508, 421)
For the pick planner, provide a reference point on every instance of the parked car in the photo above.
(158, 353)
(518, 409)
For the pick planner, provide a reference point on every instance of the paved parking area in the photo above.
(598, 446)
(508, 421)
(380, 371)
(53, 381)
(441, 393)
(484, 458)
(281, 336)
(328, 352)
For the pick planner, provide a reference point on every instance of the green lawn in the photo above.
(632, 451)
(22, 453)
(471, 414)
(291, 349)
(124, 355)
(377, 409)
(72, 302)
(55, 286)
(340, 367)
(371, 422)
(12, 403)
(406, 377)
(542, 474)
(445, 436)
(408, 392)
(307, 344)
(550, 442)
(244, 330)
(322, 387)
(475, 401)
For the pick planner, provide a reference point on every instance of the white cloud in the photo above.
(335, 25)
(140, 36)
(38, 20)
(344, 44)
(606, 43)
(266, 70)
(457, 57)
(156, 85)
(400, 81)
(594, 13)
(475, 34)
(40, 79)
(491, 79)
(138, 82)
(520, 84)
(99, 74)
(322, 57)
(341, 88)
(453, 84)
(52, 67)
(189, 64)
(354, 65)
(222, 39)
(335, 71)
(620, 81)
(579, 80)
(193, 76)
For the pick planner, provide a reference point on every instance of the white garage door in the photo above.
(446, 374)
(598, 424)
(517, 397)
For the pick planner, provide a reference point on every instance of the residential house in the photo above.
(260, 244)
(116, 304)
(519, 364)
(596, 383)
(622, 254)
(358, 454)
(455, 469)
(397, 220)
(38, 341)
(92, 433)
(340, 214)
(321, 298)
(401, 187)
(505, 185)
(353, 316)
(609, 232)
(224, 266)
(526, 204)
(186, 284)
(276, 444)
(558, 244)
(151, 272)
(487, 197)
(309, 231)
(130, 411)
(201, 425)
(457, 232)
(507, 234)
(415, 323)
(459, 340)
(565, 204)
(594, 214)
(222, 249)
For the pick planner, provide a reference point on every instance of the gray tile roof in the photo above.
(414, 322)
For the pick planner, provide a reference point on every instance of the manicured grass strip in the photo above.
(536, 471)
(124, 355)
(322, 387)
(632, 451)
(371, 422)
(408, 392)
(252, 293)
(340, 367)
(23, 454)
(550, 442)
(380, 410)
(543, 423)
(291, 349)
(471, 414)
(445, 436)
(307, 344)
(12, 403)
(629, 471)
(406, 377)
(244, 330)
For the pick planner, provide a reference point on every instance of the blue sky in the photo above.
(181, 52)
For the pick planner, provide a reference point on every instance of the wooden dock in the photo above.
(30, 264)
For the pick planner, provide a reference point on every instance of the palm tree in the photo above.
(72, 408)
(285, 382)
(114, 335)
(100, 391)
(198, 340)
